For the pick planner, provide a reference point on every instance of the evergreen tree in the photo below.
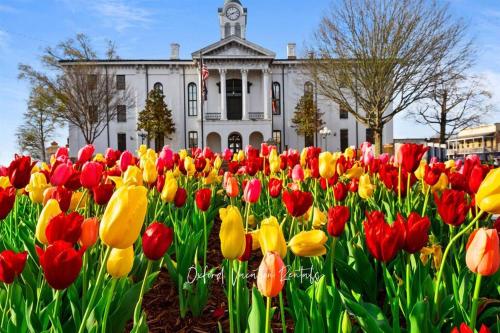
(156, 118)
(307, 118)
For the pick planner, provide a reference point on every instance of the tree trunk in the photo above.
(377, 137)
(442, 122)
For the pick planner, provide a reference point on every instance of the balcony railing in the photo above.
(212, 116)
(256, 115)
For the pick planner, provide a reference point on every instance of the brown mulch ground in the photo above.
(161, 303)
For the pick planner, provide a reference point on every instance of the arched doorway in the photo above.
(233, 99)
(255, 139)
(235, 142)
(214, 142)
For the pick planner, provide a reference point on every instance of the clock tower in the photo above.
(233, 19)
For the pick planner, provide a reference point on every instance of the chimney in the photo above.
(290, 50)
(174, 51)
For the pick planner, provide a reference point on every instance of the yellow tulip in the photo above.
(308, 243)
(274, 161)
(4, 182)
(251, 220)
(420, 172)
(488, 195)
(211, 178)
(232, 233)
(441, 185)
(218, 162)
(169, 188)
(183, 154)
(327, 164)
(36, 187)
(124, 216)
(271, 237)
(303, 157)
(50, 210)
(355, 172)
(142, 150)
(44, 166)
(241, 156)
(77, 198)
(365, 188)
(120, 262)
(319, 218)
(189, 166)
(450, 164)
(149, 173)
(349, 153)
(133, 176)
(255, 240)
(99, 158)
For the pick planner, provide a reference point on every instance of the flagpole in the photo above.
(202, 99)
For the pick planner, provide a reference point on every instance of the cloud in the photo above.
(4, 39)
(7, 9)
(122, 15)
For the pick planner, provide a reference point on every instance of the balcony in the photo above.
(256, 115)
(212, 116)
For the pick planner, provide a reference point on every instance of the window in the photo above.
(158, 86)
(92, 81)
(344, 139)
(120, 82)
(121, 113)
(277, 138)
(369, 135)
(343, 113)
(237, 30)
(122, 141)
(227, 30)
(276, 98)
(308, 87)
(235, 142)
(193, 139)
(192, 99)
(93, 114)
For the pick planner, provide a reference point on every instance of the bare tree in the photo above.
(88, 93)
(39, 125)
(384, 54)
(452, 105)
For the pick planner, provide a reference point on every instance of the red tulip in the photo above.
(452, 207)
(20, 171)
(91, 174)
(64, 227)
(156, 240)
(202, 198)
(353, 186)
(180, 197)
(417, 231)
(102, 193)
(199, 164)
(476, 177)
(248, 248)
(61, 174)
(63, 197)
(466, 329)
(340, 191)
(337, 218)
(111, 157)
(85, 154)
(11, 265)
(62, 153)
(432, 173)
(483, 252)
(457, 181)
(90, 232)
(275, 186)
(61, 264)
(7, 200)
(383, 240)
(252, 191)
(253, 165)
(73, 182)
(297, 202)
(409, 156)
(126, 159)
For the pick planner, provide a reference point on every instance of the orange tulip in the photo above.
(90, 232)
(483, 255)
(271, 275)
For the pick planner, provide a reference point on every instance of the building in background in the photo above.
(483, 141)
(436, 149)
(251, 96)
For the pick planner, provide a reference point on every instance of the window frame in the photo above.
(192, 135)
(343, 113)
(124, 137)
(121, 117)
(119, 85)
(278, 143)
(277, 97)
(344, 134)
(192, 102)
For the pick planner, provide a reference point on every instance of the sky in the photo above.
(145, 30)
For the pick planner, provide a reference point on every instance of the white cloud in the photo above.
(4, 38)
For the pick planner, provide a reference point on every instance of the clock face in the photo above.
(232, 13)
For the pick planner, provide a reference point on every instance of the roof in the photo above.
(211, 50)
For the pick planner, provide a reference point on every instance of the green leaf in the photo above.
(257, 316)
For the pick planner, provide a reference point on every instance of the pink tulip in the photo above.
(61, 174)
(91, 174)
(85, 154)
(166, 159)
(384, 158)
(297, 173)
(367, 153)
(252, 191)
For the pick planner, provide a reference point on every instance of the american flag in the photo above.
(204, 76)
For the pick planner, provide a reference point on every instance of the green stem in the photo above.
(447, 250)
(84, 279)
(408, 193)
(282, 312)
(426, 199)
(7, 299)
(332, 258)
(97, 287)
(205, 238)
(230, 297)
(475, 302)
(137, 311)
(399, 185)
(238, 291)
(108, 303)
(268, 314)
(408, 286)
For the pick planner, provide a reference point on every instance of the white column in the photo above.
(244, 88)
(223, 106)
(265, 92)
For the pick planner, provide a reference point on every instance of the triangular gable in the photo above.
(234, 47)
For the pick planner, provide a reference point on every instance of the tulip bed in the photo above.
(308, 241)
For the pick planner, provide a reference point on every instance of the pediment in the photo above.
(234, 47)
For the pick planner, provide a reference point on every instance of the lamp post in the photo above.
(325, 132)
(143, 136)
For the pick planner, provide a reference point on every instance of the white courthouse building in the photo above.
(244, 79)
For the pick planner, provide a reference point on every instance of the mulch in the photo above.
(161, 303)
